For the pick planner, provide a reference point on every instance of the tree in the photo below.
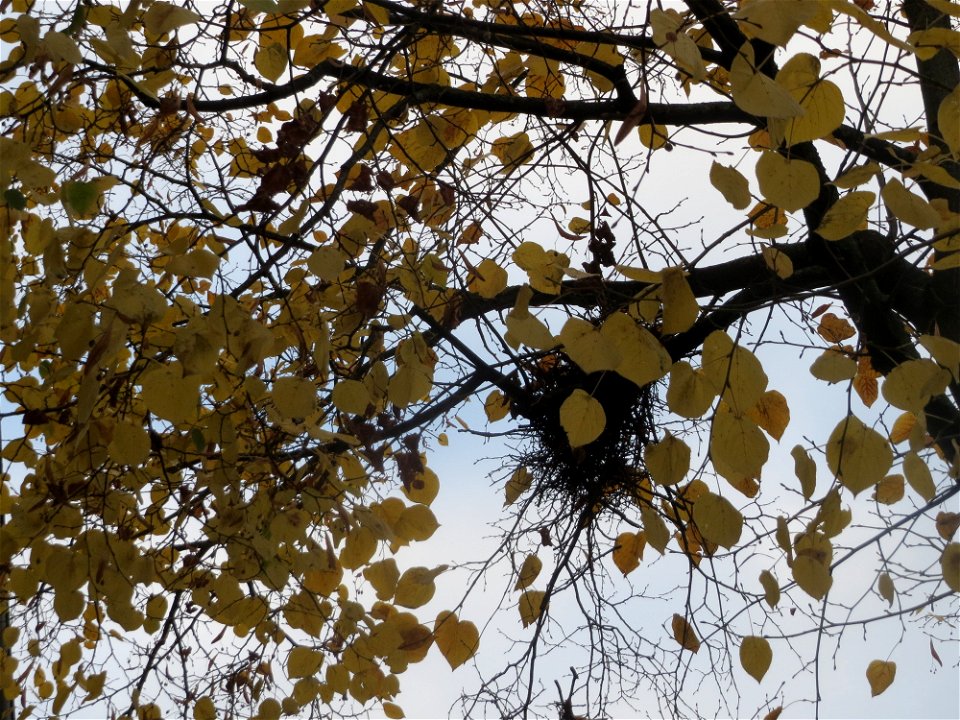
(255, 253)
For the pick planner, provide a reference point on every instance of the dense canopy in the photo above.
(259, 257)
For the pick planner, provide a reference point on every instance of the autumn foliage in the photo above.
(256, 255)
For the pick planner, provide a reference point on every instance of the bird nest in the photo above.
(605, 471)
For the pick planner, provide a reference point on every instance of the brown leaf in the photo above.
(632, 118)
(684, 634)
(834, 329)
(866, 388)
(820, 310)
(363, 182)
(933, 652)
(365, 208)
(947, 524)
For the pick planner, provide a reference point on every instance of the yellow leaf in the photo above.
(424, 488)
(271, 61)
(909, 207)
(655, 529)
(517, 485)
(718, 520)
(339, 7)
(415, 587)
(732, 184)
(684, 634)
(62, 47)
(130, 444)
(876, 27)
(812, 577)
(590, 349)
(782, 536)
(680, 307)
(811, 566)
(919, 476)
(326, 263)
(847, 215)
(196, 263)
(821, 101)
(771, 413)
(948, 119)
(880, 674)
(582, 418)
(303, 662)
(668, 34)
(734, 372)
(351, 396)
(410, 384)
(770, 21)
(628, 551)
(788, 184)
(579, 226)
(162, 17)
(294, 397)
(889, 490)
(359, 547)
(858, 455)
(950, 261)
(667, 461)
(416, 522)
(68, 604)
(530, 606)
(529, 571)
(487, 279)
(457, 640)
(771, 588)
(755, 656)
(204, 709)
(513, 151)
(834, 366)
(643, 359)
(383, 576)
(777, 261)
(885, 588)
(950, 565)
(902, 427)
(170, 396)
(946, 352)
(857, 176)
(929, 41)
(545, 268)
(496, 406)
(689, 393)
(911, 384)
(653, 136)
(738, 444)
(756, 93)
(522, 327)
(314, 49)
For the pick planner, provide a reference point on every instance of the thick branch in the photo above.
(938, 77)
(707, 113)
